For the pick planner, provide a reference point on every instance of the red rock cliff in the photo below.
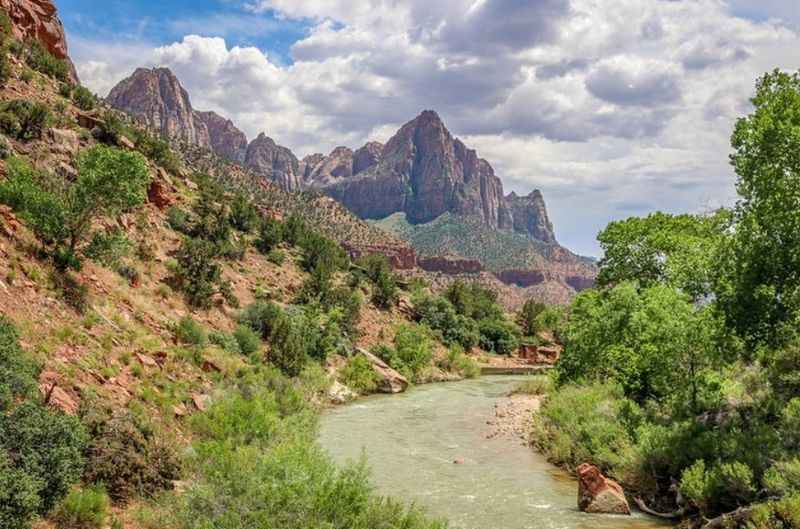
(38, 19)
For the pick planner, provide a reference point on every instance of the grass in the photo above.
(535, 385)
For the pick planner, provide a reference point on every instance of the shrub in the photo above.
(498, 336)
(43, 61)
(83, 98)
(590, 424)
(153, 148)
(289, 345)
(270, 235)
(377, 270)
(190, 332)
(130, 457)
(110, 129)
(108, 248)
(243, 216)
(413, 350)
(110, 182)
(226, 341)
(178, 219)
(198, 274)
(83, 509)
(18, 373)
(23, 119)
(460, 363)
(439, 314)
(5, 149)
(74, 293)
(720, 488)
(359, 375)
(528, 317)
(276, 257)
(261, 317)
(44, 449)
(248, 341)
(783, 478)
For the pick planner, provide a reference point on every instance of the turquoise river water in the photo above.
(411, 441)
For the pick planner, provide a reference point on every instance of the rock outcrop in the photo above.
(367, 156)
(529, 215)
(399, 257)
(39, 20)
(599, 494)
(522, 278)
(274, 162)
(389, 380)
(332, 168)
(450, 265)
(224, 138)
(157, 98)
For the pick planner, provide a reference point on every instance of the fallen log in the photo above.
(667, 515)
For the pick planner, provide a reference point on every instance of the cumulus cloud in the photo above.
(602, 105)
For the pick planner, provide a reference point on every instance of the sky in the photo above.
(612, 108)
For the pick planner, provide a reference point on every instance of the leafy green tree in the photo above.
(378, 271)
(678, 250)
(528, 317)
(762, 295)
(498, 336)
(270, 235)
(110, 182)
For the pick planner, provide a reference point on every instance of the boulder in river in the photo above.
(389, 380)
(599, 494)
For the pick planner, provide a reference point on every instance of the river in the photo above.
(411, 441)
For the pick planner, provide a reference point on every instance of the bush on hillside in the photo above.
(85, 508)
(83, 98)
(44, 62)
(23, 119)
(412, 351)
(110, 182)
(528, 317)
(243, 216)
(270, 235)
(198, 274)
(378, 271)
(473, 300)
(154, 148)
(130, 457)
(439, 314)
(190, 332)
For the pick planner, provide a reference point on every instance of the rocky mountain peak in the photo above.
(226, 140)
(157, 97)
(274, 162)
(39, 20)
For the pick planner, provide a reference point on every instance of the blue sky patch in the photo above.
(165, 22)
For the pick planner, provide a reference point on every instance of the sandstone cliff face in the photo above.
(225, 139)
(274, 162)
(330, 169)
(367, 156)
(425, 172)
(38, 19)
(529, 215)
(157, 97)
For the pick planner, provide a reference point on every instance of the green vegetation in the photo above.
(535, 385)
(412, 351)
(257, 465)
(110, 182)
(359, 376)
(83, 509)
(43, 61)
(376, 269)
(682, 367)
(23, 119)
(41, 451)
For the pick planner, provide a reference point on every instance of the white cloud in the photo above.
(611, 108)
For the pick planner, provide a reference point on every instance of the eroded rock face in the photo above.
(450, 265)
(529, 215)
(367, 156)
(274, 162)
(599, 494)
(332, 168)
(157, 97)
(399, 257)
(522, 278)
(225, 139)
(38, 19)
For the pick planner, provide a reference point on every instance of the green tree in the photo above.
(528, 317)
(678, 250)
(110, 182)
(762, 295)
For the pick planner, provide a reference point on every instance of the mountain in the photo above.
(424, 186)
(38, 20)
(424, 172)
(157, 98)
